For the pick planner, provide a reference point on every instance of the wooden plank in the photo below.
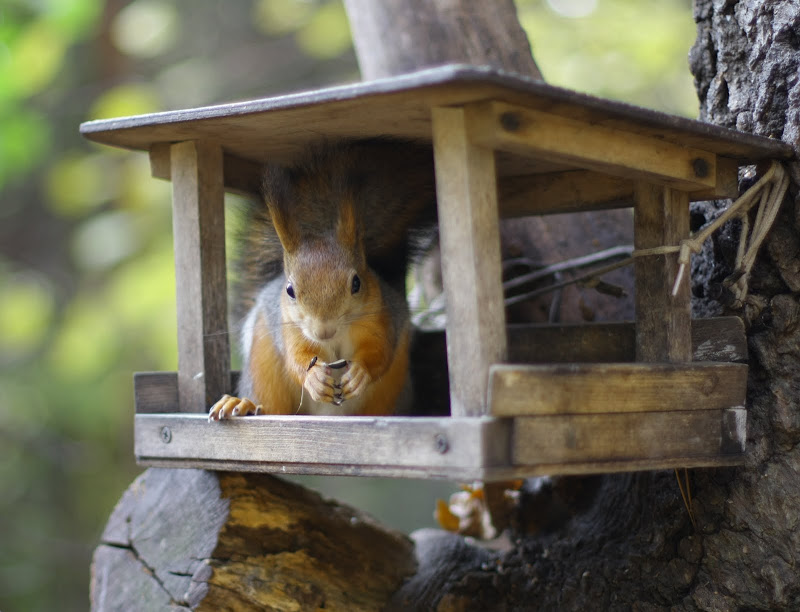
(199, 234)
(516, 129)
(469, 233)
(277, 128)
(390, 445)
(241, 176)
(605, 388)
(714, 339)
(617, 437)
(663, 320)
(562, 192)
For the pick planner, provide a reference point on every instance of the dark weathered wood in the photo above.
(717, 339)
(663, 320)
(200, 275)
(189, 539)
(277, 129)
(386, 446)
(610, 388)
(466, 192)
(645, 436)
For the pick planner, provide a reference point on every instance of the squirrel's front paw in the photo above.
(320, 384)
(355, 380)
(229, 406)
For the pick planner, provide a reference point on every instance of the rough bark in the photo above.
(198, 540)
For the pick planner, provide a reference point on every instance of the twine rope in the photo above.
(767, 193)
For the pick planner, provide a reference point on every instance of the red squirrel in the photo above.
(322, 275)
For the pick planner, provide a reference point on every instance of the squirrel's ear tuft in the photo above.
(347, 226)
(276, 196)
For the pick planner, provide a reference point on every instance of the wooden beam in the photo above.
(241, 176)
(663, 320)
(632, 437)
(470, 241)
(524, 131)
(715, 339)
(517, 390)
(562, 192)
(202, 297)
(385, 446)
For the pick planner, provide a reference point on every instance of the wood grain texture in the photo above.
(198, 540)
(386, 446)
(617, 437)
(277, 129)
(200, 274)
(663, 321)
(514, 128)
(609, 388)
(466, 191)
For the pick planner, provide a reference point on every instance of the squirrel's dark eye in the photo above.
(290, 290)
(356, 286)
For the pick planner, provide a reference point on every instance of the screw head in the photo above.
(511, 122)
(700, 167)
(166, 435)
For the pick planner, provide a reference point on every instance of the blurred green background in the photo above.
(87, 291)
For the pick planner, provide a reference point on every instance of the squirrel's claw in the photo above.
(320, 384)
(354, 381)
(229, 406)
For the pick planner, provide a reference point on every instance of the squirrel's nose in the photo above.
(323, 331)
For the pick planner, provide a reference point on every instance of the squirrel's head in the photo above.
(327, 279)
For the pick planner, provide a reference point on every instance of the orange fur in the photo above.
(271, 387)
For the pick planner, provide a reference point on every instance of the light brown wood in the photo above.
(386, 446)
(663, 320)
(199, 238)
(617, 437)
(575, 142)
(605, 388)
(470, 242)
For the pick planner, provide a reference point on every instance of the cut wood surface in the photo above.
(200, 274)
(613, 388)
(383, 446)
(620, 437)
(197, 540)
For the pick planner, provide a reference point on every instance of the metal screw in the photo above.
(700, 167)
(166, 435)
(441, 443)
(511, 122)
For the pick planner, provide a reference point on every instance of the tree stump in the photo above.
(200, 540)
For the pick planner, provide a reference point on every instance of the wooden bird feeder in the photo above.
(662, 392)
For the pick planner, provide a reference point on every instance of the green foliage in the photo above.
(87, 289)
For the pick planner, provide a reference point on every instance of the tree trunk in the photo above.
(627, 541)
